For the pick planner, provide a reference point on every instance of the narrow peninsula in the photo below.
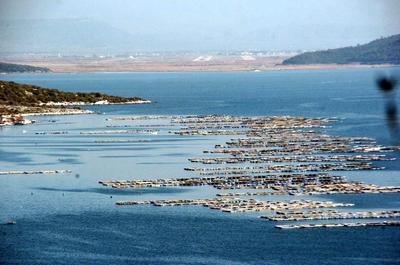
(19, 100)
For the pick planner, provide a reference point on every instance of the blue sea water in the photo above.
(71, 219)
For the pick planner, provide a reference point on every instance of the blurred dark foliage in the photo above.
(388, 87)
(386, 84)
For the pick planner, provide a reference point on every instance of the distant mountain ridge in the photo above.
(380, 51)
(65, 36)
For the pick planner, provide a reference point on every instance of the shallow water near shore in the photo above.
(71, 219)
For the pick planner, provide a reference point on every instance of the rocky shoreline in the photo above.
(102, 102)
(21, 118)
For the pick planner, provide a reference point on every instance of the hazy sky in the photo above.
(228, 24)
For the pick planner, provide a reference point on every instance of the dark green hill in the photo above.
(15, 94)
(380, 51)
(20, 68)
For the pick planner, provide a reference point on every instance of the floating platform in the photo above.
(34, 172)
(334, 225)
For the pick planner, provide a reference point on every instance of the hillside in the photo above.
(380, 51)
(21, 68)
(14, 96)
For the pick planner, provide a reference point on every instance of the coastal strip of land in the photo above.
(219, 63)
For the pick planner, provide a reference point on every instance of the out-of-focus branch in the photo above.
(388, 87)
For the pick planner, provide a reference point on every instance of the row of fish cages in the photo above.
(205, 126)
(288, 181)
(233, 205)
(345, 188)
(122, 141)
(301, 150)
(292, 184)
(280, 139)
(291, 159)
(258, 193)
(209, 119)
(231, 182)
(229, 130)
(259, 123)
(329, 215)
(339, 225)
(342, 188)
(35, 172)
(139, 118)
(247, 120)
(100, 132)
(119, 132)
(322, 167)
(210, 132)
(137, 125)
(52, 132)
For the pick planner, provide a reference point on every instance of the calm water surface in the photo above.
(71, 219)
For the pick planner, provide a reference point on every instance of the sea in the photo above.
(69, 218)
